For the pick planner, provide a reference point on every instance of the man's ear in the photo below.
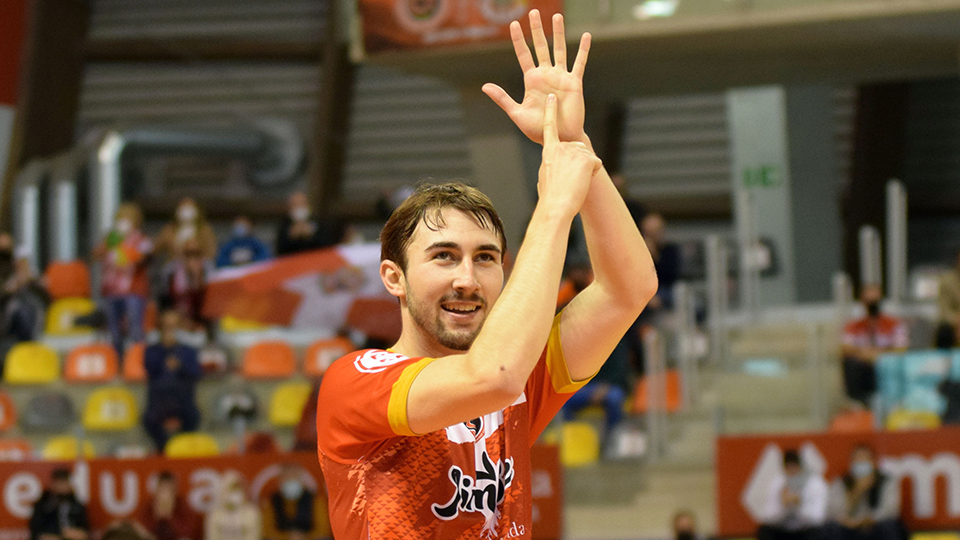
(392, 277)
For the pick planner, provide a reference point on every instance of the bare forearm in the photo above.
(514, 335)
(621, 262)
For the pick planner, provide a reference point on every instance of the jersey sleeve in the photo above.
(550, 385)
(362, 403)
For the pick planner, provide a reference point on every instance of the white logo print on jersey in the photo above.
(376, 361)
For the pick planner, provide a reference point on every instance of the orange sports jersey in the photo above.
(470, 480)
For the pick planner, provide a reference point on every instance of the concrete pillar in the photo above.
(501, 156)
(786, 186)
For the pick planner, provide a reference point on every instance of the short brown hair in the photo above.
(425, 204)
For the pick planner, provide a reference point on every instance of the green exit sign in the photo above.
(766, 176)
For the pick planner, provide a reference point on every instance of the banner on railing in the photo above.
(925, 463)
(117, 489)
(417, 24)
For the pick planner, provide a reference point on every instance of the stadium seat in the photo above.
(579, 444)
(15, 450)
(62, 313)
(68, 279)
(66, 448)
(8, 412)
(110, 409)
(235, 403)
(31, 363)
(269, 360)
(96, 362)
(943, 535)
(323, 353)
(640, 396)
(191, 445)
(150, 316)
(852, 422)
(133, 370)
(48, 411)
(287, 402)
(233, 324)
(902, 419)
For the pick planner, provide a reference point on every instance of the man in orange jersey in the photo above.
(431, 438)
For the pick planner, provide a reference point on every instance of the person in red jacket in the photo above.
(168, 516)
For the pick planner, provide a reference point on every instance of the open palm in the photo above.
(547, 78)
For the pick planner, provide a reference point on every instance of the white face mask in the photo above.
(124, 226)
(300, 213)
(187, 213)
(291, 489)
(861, 469)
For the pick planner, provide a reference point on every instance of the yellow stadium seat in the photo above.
(233, 324)
(31, 363)
(191, 445)
(287, 402)
(65, 448)
(62, 313)
(900, 420)
(579, 444)
(110, 409)
(935, 536)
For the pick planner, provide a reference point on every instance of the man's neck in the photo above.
(415, 343)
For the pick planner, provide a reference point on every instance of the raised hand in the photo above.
(567, 167)
(544, 79)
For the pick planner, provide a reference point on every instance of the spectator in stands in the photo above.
(123, 256)
(948, 299)
(609, 388)
(864, 503)
(23, 298)
(186, 284)
(293, 512)
(188, 224)
(864, 340)
(172, 373)
(57, 514)
(126, 530)
(666, 258)
(233, 516)
(300, 232)
(796, 507)
(242, 247)
(168, 516)
(685, 526)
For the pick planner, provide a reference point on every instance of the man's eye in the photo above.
(486, 257)
(443, 256)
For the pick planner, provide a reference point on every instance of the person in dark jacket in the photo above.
(57, 514)
(243, 247)
(293, 512)
(300, 231)
(864, 504)
(172, 373)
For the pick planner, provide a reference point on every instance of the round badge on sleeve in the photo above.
(377, 361)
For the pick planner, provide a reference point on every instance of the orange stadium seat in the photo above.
(15, 450)
(68, 279)
(269, 360)
(96, 362)
(672, 399)
(8, 412)
(133, 370)
(852, 422)
(150, 315)
(323, 353)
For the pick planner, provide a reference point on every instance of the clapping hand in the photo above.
(547, 78)
(567, 167)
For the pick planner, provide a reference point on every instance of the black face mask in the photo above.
(686, 535)
(873, 309)
(6, 256)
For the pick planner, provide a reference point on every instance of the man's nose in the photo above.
(466, 279)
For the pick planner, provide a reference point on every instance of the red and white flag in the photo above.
(329, 288)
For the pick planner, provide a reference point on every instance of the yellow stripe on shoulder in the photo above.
(563, 382)
(397, 406)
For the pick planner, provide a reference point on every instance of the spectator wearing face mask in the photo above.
(188, 224)
(123, 256)
(242, 247)
(57, 514)
(864, 503)
(796, 506)
(864, 340)
(300, 231)
(233, 516)
(293, 512)
(185, 278)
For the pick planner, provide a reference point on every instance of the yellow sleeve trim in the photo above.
(397, 406)
(563, 382)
